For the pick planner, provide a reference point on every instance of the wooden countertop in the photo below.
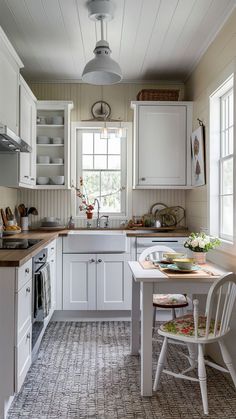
(9, 257)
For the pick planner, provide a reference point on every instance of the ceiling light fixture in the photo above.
(102, 69)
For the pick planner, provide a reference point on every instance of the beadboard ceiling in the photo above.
(151, 39)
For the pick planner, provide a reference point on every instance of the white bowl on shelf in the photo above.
(57, 120)
(43, 159)
(42, 139)
(42, 180)
(57, 140)
(57, 160)
(57, 180)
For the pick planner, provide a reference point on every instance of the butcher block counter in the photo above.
(18, 257)
(9, 257)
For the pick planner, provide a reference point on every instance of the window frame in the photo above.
(126, 171)
(215, 162)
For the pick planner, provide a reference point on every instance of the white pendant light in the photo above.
(101, 70)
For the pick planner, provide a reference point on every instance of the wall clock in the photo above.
(101, 110)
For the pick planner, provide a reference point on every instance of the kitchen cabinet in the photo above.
(15, 328)
(19, 169)
(10, 65)
(96, 282)
(53, 143)
(27, 164)
(162, 153)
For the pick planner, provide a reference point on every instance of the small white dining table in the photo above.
(148, 282)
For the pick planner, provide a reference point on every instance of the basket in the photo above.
(158, 94)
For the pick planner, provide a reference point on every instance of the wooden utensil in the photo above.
(22, 211)
(4, 218)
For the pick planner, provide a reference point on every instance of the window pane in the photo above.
(223, 143)
(92, 184)
(227, 176)
(114, 145)
(114, 162)
(231, 110)
(110, 185)
(100, 162)
(227, 216)
(87, 146)
(87, 162)
(231, 140)
(100, 144)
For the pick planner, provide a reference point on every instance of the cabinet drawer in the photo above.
(51, 249)
(24, 310)
(23, 359)
(24, 274)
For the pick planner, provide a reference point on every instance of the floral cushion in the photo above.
(184, 326)
(169, 299)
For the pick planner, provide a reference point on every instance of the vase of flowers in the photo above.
(200, 244)
(86, 205)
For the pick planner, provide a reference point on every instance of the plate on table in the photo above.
(10, 232)
(174, 268)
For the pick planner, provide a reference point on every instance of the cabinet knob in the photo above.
(27, 177)
(52, 260)
(52, 248)
(91, 260)
(28, 335)
(143, 179)
(99, 260)
(27, 270)
(28, 289)
(32, 178)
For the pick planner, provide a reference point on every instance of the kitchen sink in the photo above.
(92, 241)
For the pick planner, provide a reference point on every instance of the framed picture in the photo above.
(198, 157)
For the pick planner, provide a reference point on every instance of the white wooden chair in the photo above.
(166, 301)
(198, 331)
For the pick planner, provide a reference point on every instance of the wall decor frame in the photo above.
(198, 164)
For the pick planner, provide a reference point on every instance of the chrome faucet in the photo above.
(98, 212)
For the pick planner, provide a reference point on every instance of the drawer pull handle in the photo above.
(52, 260)
(91, 260)
(28, 289)
(52, 248)
(99, 260)
(28, 336)
(143, 179)
(27, 270)
(27, 177)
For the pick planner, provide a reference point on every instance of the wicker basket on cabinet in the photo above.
(158, 94)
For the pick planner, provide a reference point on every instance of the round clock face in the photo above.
(101, 110)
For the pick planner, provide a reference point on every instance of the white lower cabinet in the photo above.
(96, 282)
(23, 358)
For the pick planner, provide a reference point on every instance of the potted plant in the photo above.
(200, 244)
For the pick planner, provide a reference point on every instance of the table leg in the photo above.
(135, 318)
(146, 339)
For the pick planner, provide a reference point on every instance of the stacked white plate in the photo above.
(42, 139)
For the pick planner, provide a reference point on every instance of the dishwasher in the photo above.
(175, 243)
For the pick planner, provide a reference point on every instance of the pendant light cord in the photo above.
(102, 30)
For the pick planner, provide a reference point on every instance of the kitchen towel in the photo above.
(45, 280)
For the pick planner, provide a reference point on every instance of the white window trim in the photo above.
(86, 125)
(213, 173)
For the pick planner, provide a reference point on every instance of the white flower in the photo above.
(202, 243)
(194, 243)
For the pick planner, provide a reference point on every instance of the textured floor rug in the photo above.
(84, 370)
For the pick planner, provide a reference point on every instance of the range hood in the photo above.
(10, 142)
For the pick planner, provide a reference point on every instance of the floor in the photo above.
(84, 370)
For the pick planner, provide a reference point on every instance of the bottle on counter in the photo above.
(71, 223)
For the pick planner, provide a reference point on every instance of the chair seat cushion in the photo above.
(170, 300)
(184, 326)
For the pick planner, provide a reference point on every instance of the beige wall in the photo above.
(211, 69)
(8, 197)
(119, 97)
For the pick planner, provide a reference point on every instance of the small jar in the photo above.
(24, 223)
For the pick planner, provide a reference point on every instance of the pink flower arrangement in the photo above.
(85, 204)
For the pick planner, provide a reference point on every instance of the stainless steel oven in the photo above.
(39, 261)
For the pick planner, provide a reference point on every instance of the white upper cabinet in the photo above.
(27, 133)
(162, 144)
(10, 65)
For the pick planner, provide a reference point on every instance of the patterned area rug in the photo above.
(84, 370)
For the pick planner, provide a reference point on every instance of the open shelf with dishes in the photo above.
(53, 144)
